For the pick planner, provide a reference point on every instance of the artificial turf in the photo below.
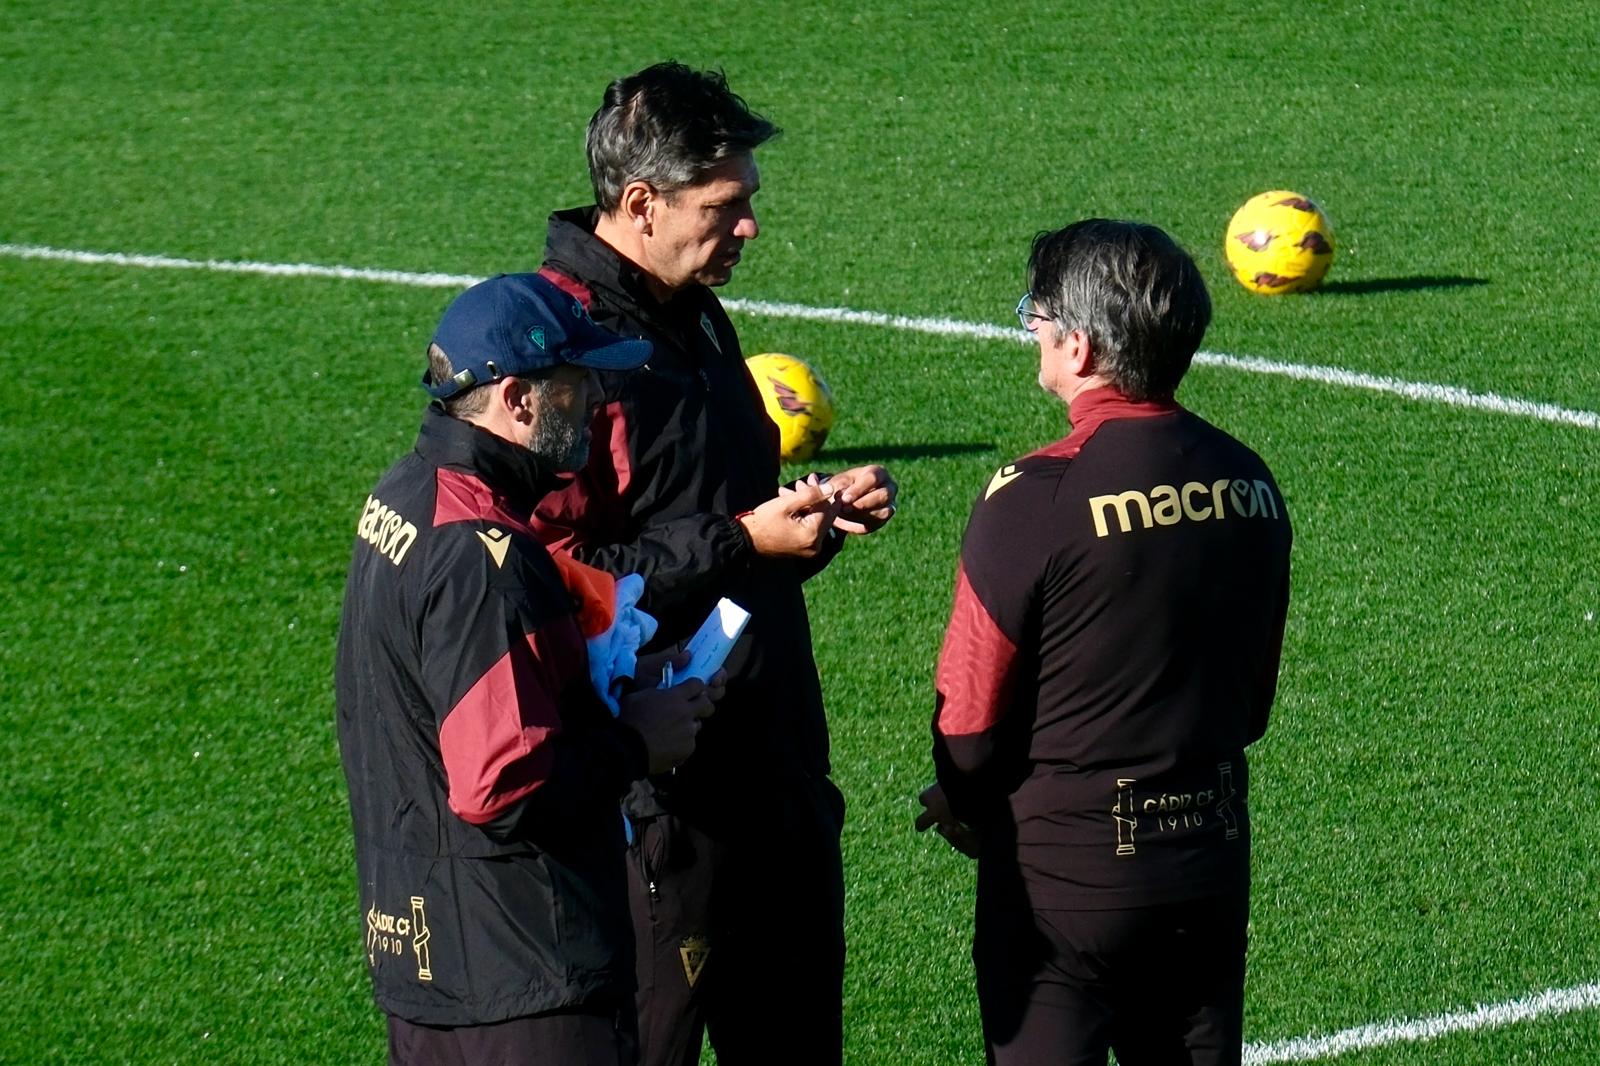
(186, 453)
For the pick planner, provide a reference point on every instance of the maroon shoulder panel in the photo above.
(976, 667)
(465, 498)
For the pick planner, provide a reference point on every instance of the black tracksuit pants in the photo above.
(1160, 985)
(739, 925)
(597, 1036)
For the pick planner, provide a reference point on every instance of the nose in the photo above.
(746, 229)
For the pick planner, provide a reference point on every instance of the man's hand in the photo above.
(792, 524)
(669, 718)
(866, 496)
(936, 815)
(649, 669)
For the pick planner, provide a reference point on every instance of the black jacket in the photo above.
(484, 772)
(680, 447)
(1114, 646)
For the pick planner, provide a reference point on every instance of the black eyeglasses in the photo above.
(1028, 312)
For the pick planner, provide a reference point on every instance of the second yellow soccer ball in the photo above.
(1279, 242)
(797, 400)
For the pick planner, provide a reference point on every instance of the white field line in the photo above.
(1549, 1003)
(1301, 1049)
(233, 266)
(1448, 395)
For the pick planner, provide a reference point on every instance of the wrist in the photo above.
(742, 522)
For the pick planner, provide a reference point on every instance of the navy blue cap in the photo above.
(519, 323)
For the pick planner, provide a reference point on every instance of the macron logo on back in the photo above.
(1166, 505)
(386, 530)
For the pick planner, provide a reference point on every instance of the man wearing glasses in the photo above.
(1113, 648)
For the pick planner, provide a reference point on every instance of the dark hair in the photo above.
(667, 125)
(1133, 291)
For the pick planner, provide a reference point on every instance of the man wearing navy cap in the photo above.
(485, 772)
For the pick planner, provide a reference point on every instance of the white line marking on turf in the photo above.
(230, 266)
(1448, 395)
(1551, 1002)
(947, 327)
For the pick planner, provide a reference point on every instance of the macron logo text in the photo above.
(385, 530)
(1194, 501)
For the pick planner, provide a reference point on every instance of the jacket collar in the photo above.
(1093, 408)
(1107, 402)
(514, 473)
(572, 248)
(570, 241)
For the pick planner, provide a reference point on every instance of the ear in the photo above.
(635, 207)
(1079, 352)
(514, 399)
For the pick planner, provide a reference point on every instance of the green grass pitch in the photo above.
(185, 454)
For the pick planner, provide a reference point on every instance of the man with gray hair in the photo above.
(738, 886)
(1113, 648)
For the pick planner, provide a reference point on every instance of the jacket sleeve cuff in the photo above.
(744, 547)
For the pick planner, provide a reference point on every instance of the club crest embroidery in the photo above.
(694, 951)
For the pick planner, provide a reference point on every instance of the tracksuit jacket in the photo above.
(1113, 647)
(485, 774)
(678, 449)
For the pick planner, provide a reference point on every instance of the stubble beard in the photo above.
(557, 440)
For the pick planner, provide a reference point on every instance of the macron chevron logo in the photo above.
(1002, 477)
(498, 542)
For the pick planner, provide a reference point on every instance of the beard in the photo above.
(558, 440)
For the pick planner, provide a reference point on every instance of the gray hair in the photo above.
(1137, 296)
(667, 125)
(473, 401)
(555, 439)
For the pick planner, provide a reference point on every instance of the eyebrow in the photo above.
(724, 201)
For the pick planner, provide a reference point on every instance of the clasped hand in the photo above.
(865, 496)
(936, 815)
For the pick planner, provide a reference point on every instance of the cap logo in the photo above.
(536, 335)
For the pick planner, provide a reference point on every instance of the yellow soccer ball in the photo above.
(797, 400)
(1279, 242)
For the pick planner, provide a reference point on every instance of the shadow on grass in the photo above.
(1421, 281)
(867, 453)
